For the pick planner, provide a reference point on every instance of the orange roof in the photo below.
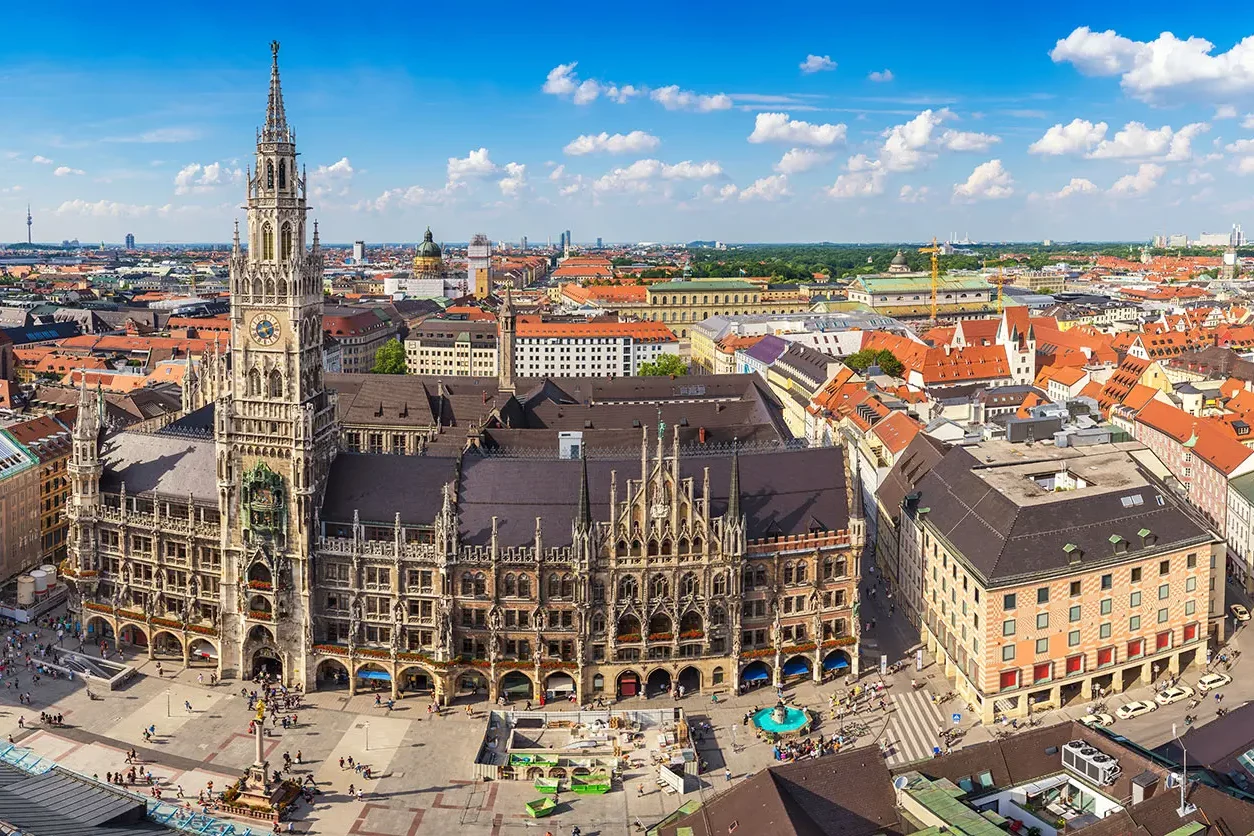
(897, 431)
(1025, 409)
(1219, 449)
(1069, 376)
(471, 313)
(654, 332)
(1121, 382)
(1092, 389)
(1242, 402)
(943, 365)
(1138, 396)
(610, 294)
(1231, 386)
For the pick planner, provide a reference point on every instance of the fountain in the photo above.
(783, 720)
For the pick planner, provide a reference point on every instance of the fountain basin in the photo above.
(795, 722)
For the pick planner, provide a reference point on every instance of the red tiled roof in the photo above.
(897, 431)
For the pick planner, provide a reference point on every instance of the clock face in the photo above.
(265, 330)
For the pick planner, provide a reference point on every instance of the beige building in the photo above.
(1048, 578)
(19, 507)
(683, 304)
(461, 348)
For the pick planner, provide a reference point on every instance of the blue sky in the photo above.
(658, 121)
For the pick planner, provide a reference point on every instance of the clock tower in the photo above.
(275, 431)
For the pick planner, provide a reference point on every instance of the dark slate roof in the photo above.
(768, 349)
(198, 423)
(1217, 743)
(43, 333)
(1003, 539)
(173, 466)
(59, 803)
(849, 794)
(378, 487)
(920, 456)
(782, 492)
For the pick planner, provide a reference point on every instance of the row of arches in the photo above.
(691, 624)
(655, 547)
(270, 384)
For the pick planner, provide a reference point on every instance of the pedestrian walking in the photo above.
(727, 774)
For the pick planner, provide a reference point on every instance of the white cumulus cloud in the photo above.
(1136, 141)
(1146, 178)
(195, 177)
(41, 160)
(672, 98)
(635, 142)
(1225, 112)
(863, 177)
(1076, 137)
(1077, 185)
(967, 141)
(66, 171)
(989, 181)
(333, 179)
(882, 76)
(817, 64)
(640, 175)
(909, 194)
(564, 82)
(105, 209)
(515, 180)
(779, 127)
(1152, 70)
(767, 188)
(475, 164)
(798, 160)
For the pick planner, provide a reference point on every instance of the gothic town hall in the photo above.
(259, 533)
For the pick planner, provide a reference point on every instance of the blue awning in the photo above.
(835, 662)
(796, 666)
(754, 674)
(384, 675)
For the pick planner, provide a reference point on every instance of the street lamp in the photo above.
(367, 727)
(168, 714)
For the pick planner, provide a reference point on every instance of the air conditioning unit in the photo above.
(1090, 763)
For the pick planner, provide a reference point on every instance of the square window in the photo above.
(1108, 581)
(1104, 630)
(1134, 623)
(1042, 621)
(1074, 613)
(1042, 595)
(1136, 574)
(1164, 591)
(1073, 638)
(1008, 627)
(1190, 607)
(1106, 606)
(1008, 653)
(1162, 616)
(1191, 561)
(1042, 645)
(1190, 584)
(1164, 567)
(1008, 602)
(1075, 588)
(1134, 600)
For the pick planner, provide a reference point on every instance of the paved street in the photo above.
(422, 764)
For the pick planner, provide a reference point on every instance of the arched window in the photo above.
(254, 382)
(285, 241)
(689, 584)
(257, 286)
(759, 576)
(659, 587)
(828, 566)
(511, 585)
(696, 544)
(802, 570)
(628, 589)
(598, 591)
(481, 584)
(653, 548)
(748, 578)
(621, 549)
(275, 387)
(468, 584)
(269, 175)
(283, 174)
(555, 586)
(282, 287)
(720, 585)
(788, 573)
(718, 615)
(524, 586)
(267, 242)
(568, 586)
(598, 623)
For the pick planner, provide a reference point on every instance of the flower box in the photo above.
(692, 634)
(266, 585)
(92, 605)
(374, 652)
(260, 615)
(556, 664)
(131, 614)
(335, 649)
(168, 622)
(629, 637)
(203, 630)
(661, 637)
(757, 654)
(842, 641)
(804, 647)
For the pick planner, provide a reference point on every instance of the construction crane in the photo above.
(935, 272)
(1001, 290)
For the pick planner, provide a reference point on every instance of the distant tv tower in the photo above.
(28, 223)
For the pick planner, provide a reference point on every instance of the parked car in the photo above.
(1239, 612)
(1212, 681)
(1099, 719)
(1173, 694)
(1135, 709)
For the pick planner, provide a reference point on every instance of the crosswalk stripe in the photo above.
(912, 726)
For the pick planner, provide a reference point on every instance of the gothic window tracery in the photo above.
(283, 174)
(275, 384)
(659, 587)
(628, 589)
(269, 174)
(285, 241)
(254, 382)
(267, 242)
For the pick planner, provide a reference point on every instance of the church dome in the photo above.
(899, 260)
(429, 248)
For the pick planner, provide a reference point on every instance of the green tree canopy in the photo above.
(664, 366)
(390, 358)
(867, 357)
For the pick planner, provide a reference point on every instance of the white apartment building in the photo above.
(582, 349)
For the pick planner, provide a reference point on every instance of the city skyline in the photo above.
(1096, 125)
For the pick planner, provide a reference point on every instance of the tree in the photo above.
(390, 358)
(665, 365)
(867, 357)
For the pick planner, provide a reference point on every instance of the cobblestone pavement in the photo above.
(422, 764)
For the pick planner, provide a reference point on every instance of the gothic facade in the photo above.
(250, 535)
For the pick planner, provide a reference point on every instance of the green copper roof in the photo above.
(697, 287)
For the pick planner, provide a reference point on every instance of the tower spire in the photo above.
(276, 129)
(733, 493)
(584, 518)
